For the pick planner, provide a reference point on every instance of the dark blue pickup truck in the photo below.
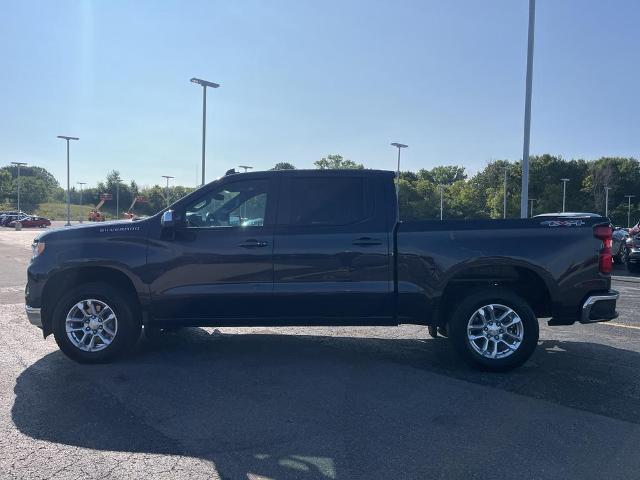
(319, 248)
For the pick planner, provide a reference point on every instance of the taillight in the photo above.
(605, 259)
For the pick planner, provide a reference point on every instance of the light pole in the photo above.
(18, 164)
(82, 184)
(399, 146)
(629, 197)
(441, 200)
(68, 189)
(564, 191)
(504, 200)
(204, 84)
(246, 167)
(167, 189)
(531, 200)
(118, 200)
(527, 112)
(606, 201)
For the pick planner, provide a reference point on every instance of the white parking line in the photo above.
(620, 325)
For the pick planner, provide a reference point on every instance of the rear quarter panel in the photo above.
(431, 253)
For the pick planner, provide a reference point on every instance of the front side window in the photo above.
(329, 201)
(236, 204)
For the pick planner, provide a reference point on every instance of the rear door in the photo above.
(332, 249)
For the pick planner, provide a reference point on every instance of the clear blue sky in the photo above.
(302, 79)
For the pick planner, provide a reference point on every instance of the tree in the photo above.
(443, 175)
(336, 162)
(43, 183)
(284, 166)
(5, 185)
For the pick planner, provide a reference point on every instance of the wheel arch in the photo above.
(64, 280)
(528, 281)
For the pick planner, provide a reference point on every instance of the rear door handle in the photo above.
(253, 243)
(367, 242)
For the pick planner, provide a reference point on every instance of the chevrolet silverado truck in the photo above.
(318, 248)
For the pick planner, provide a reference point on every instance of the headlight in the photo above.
(36, 249)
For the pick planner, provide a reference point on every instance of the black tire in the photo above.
(457, 329)
(128, 321)
(433, 331)
(633, 267)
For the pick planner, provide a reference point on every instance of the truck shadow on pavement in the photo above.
(319, 407)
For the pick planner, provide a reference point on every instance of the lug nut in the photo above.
(496, 337)
(501, 330)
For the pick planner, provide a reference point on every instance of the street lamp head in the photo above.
(19, 163)
(399, 145)
(246, 167)
(167, 176)
(68, 138)
(564, 180)
(204, 83)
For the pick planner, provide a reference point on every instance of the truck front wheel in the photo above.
(494, 329)
(95, 322)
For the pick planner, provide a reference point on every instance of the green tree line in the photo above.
(465, 196)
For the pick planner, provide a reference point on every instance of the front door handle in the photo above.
(366, 242)
(253, 243)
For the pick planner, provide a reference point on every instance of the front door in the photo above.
(218, 263)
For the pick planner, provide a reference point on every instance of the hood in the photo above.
(91, 229)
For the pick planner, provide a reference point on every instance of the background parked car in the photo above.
(31, 221)
(631, 253)
(620, 236)
(6, 219)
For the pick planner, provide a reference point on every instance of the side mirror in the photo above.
(168, 220)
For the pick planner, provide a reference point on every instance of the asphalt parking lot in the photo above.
(316, 403)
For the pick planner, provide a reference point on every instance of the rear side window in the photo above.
(329, 201)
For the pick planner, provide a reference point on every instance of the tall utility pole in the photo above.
(204, 84)
(606, 201)
(564, 191)
(399, 146)
(527, 112)
(531, 200)
(166, 194)
(504, 206)
(629, 197)
(18, 164)
(441, 200)
(68, 188)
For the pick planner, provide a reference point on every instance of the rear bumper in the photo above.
(600, 307)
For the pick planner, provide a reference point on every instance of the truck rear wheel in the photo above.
(94, 323)
(494, 329)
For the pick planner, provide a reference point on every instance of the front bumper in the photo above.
(34, 315)
(600, 307)
(633, 255)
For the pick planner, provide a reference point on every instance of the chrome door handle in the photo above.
(252, 243)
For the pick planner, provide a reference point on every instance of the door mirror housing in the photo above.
(168, 219)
